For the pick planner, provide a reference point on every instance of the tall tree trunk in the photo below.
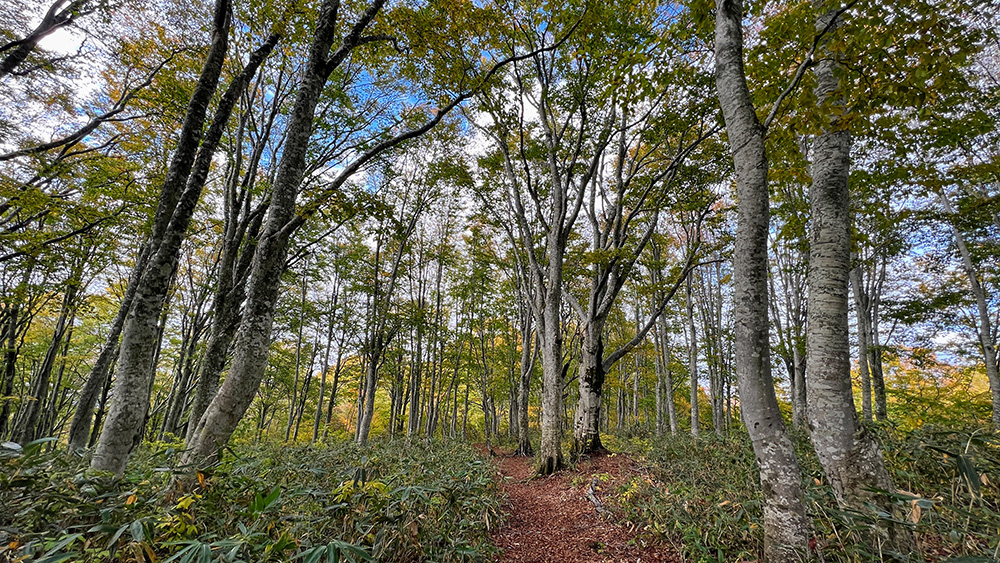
(985, 327)
(241, 229)
(79, 428)
(586, 430)
(102, 404)
(661, 341)
(179, 387)
(668, 382)
(179, 195)
(550, 447)
(416, 382)
(213, 362)
(59, 393)
(251, 348)
(878, 379)
(527, 366)
(13, 312)
(187, 366)
(283, 220)
(718, 382)
(298, 352)
(692, 360)
(304, 396)
(338, 365)
(800, 405)
(161, 327)
(18, 315)
(370, 387)
(861, 312)
(786, 527)
(465, 410)
(325, 366)
(850, 458)
(489, 415)
(29, 424)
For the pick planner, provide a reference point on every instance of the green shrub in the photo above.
(392, 501)
(706, 499)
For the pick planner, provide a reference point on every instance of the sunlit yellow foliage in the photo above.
(921, 390)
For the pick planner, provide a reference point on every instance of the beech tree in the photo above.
(851, 460)
(786, 529)
(179, 195)
(559, 162)
(283, 219)
(646, 151)
(985, 320)
(270, 218)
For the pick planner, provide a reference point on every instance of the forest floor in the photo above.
(550, 519)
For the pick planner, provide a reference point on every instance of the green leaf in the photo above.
(63, 543)
(138, 533)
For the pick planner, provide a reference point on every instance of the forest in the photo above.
(499, 280)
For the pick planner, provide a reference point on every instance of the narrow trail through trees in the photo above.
(550, 519)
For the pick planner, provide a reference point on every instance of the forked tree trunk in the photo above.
(241, 229)
(179, 195)
(786, 527)
(251, 349)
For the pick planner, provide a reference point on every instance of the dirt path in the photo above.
(550, 520)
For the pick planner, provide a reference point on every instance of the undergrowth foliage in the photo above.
(705, 498)
(390, 501)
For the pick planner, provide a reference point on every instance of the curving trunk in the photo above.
(786, 527)
(253, 340)
(136, 366)
(135, 372)
(985, 330)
